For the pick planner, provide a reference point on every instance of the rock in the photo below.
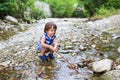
(118, 49)
(111, 75)
(82, 48)
(74, 54)
(117, 67)
(116, 35)
(101, 66)
(45, 7)
(6, 63)
(67, 51)
(2, 27)
(69, 47)
(117, 61)
(11, 19)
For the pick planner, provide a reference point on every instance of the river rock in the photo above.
(116, 36)
(111, 75)
(117, 67)
(101, 66)
(6, 63)
(12, 19)
(118, 49)
(117, 61)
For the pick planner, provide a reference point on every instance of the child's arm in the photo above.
(55, 44)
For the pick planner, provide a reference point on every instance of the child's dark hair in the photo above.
(49, 25)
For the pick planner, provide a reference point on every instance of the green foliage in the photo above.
(19, 6)
(59, 8)
(113, 3)
(104, 12)
(37, 13)
(79, 14)
(4, 8)
(80, 11)
(62, 8)
(92, 5)
(102, 7)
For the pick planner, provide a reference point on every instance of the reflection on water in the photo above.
(32, 72)
(8, 74)
(47, 70)
(6, 34)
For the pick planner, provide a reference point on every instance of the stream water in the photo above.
(25, 64)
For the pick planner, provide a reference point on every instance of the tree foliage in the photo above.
(62, 8)
(93, 6)
(59, 8)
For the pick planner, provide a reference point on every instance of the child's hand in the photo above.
(52, 48)
(55, 49)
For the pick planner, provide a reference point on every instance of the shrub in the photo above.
(37, 13)
(62, 8)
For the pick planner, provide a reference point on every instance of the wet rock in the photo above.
(74, 54)
(111, 75)
(117, 61)
(82, 48)
(67, 51)
(2, 68)
(116, 36)
(13, 78)
(6, 63)
(117, 67)
(80, 65)
(64, 51)
(69, 47)
(102, 65)
(118, 49)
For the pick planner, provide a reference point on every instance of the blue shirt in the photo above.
(49, 40)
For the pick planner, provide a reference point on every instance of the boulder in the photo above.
(11, 19)
(111, 75)
(102, 65)
(45, 7)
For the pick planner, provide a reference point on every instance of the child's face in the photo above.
(51, 32)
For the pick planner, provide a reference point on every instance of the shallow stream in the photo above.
(24, 63)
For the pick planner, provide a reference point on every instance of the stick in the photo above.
(72, 66)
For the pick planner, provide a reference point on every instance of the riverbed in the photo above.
(79, 40)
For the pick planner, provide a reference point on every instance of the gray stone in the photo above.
(111, 75)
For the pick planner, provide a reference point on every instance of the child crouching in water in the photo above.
(48, 42)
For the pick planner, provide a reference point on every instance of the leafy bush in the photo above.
(113, 3)
(79, 14)
(37, 13)
(104, 12)
(4, 8)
